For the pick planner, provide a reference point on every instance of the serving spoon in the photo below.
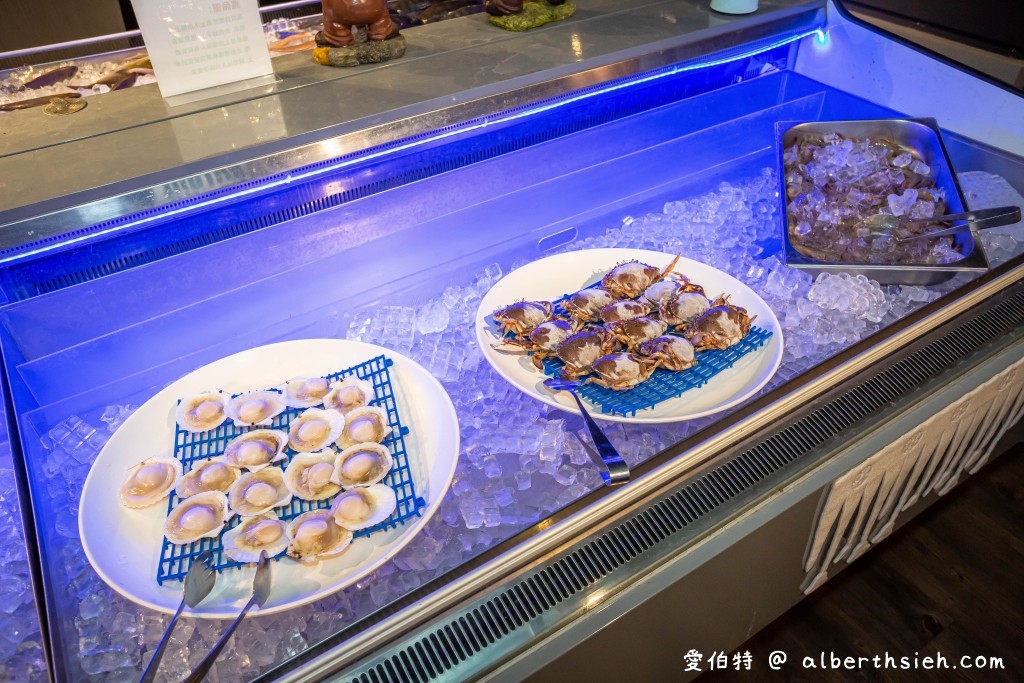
(260, 593)
(198, 583)
(618, 470)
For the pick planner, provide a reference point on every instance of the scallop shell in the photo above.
(201, 516)
(304, 392)
(315, 429)
(349, 394)
(315, 536)
(257, 492)
(364, 506)
(256, 449)
(212, 474)
(362, 465)
(202, 412)
(364, 425)
(309, 475)
(149, 482)
(264, 533)
(255, 408)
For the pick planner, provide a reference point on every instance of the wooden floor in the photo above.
(951, 581)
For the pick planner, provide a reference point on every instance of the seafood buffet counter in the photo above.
(389, 228)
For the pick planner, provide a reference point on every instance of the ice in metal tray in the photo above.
(188, 448)
(923, 136)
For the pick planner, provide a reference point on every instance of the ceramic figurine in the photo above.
(339, 43)
(522, 15)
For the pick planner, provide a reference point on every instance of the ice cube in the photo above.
(92, 606)
(475, 519)
(491, 468)
(565, 475)
(902, 160)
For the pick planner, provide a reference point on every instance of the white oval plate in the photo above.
(124, 545)
(552, 277)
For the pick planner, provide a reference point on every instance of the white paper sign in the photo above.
(198, 44)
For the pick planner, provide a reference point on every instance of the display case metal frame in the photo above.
(665, 476)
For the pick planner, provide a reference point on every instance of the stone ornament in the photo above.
(357, 32)
(522, 15)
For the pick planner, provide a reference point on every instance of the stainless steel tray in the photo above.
(921, 135)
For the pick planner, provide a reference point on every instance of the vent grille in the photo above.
(165, 238)
(455, 642)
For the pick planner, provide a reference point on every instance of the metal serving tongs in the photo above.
(884, 223)
(198, 583)
(618, 470)
(260, 593)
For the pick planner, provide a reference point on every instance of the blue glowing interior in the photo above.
(119, 339)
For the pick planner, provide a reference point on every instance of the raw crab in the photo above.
(670, 352)
(586, 304)
(620, 371)
(720, 326)
(633, 333)
(624, 310)
(629, 280)
(672, 285)
(544, 339)
(659, 291)
(683, 307)
(581, 350)
(523, 317)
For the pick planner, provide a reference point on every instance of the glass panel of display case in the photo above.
(696, 177)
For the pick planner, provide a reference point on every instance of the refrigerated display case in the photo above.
(380, 206)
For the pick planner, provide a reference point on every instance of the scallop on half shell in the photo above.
(201, 516)
(255, 408)
(305, 392)
(149, 482)
(212, 474)
(256, 449)
(264, 533)
(309, 475)
(349, 394)
(364, 425)
(257, 492)
(202, 412)
(315, 536)
(315, 430)
(363, 506)
(362, 465)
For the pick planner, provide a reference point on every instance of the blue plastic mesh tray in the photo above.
(665, 384)
(188, 447)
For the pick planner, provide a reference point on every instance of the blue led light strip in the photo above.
(459, 129)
